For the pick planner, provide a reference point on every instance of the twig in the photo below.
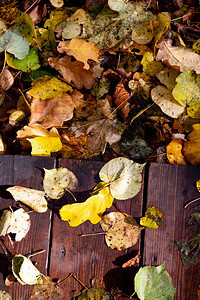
(191, 202)
(74, 276)
(36, 253)
(91, 234)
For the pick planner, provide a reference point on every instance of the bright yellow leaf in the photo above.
(91, 209)
(198, 185)
(80, 49)
(174, 152)
(192, 146)
(44, 145)
(48, 87)
(152, 218)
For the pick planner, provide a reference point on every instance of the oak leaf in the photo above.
(73, 71)
(80, 49)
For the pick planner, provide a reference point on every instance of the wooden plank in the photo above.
(89, 257)
(27, 172)
(170, 187)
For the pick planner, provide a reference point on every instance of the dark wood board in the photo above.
(27, 172)
(169, 188)
(89, 257)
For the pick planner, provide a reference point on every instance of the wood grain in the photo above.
(26, 172)
(170, 187)
(89, 257)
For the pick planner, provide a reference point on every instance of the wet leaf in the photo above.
(124, 176)
(24, 270)
(31, 197)
(164, 99)
(73, 71)
(56, 181)
(174, 152)
(45, 145)
(122, 231)
(13, 42)
(17, 222)
(152, 218)
(80, 49)
(154, 283)
(48, 87)
(91, 209)
(187, 92)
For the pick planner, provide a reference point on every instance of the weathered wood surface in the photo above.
(169, 188)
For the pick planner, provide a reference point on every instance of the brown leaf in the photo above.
(6, 80)
(134, 262)
(121, 99)
(73, 71)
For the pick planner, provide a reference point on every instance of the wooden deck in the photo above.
(167, 187)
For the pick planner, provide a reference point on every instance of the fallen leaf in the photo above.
(163, 20)
(187, 92)
(154, 283)
(124, 177)
(4, 295)
(150, 66)
(80, 49)
(36, 130)
(47, 87)
(47, 290)
(73, 71)
(142, 33)
(57, 3)
(95, 292)
(133, 262)
(69, 29)
(6, 79)
(164, 99)
(174, 152)
(178, 57)
(45, 145)
(101, 88)
(91, 209)
(167, 76)
(56, 181)
(33, 198)
(198, 185)
(152, 218)
(192, 145)
(3, 146)
(121, 99)
(122, 231)
(24, 270)
(17, 222)
(52, 112)
(13, 42)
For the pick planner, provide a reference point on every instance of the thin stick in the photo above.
(36, 253)
(191, 202)
(25, 100)
(91, 234)
(71, 194)
(74, 276)
(141, 112)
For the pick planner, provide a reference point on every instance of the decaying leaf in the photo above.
(3, 146)
(47, 290)
(24, 270)
(162, 22)
(174, 152)
(91, 209)
(192, 145)
(33, 198)
(142, 33)
(6, 80)
(150, 66)
(122, 231)
(15, 222)
(73, 71)
(133, 262)
(167, 76)
(95, 292)
(47, 87)
(4, 295)
(178, 57)
(154, 283)
(164, 99)
(187, 92)
(56, 181)
(124, 176)
(80, 49)
(70, 29)
(121, 99)
(152, 218)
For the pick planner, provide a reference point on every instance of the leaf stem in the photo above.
(192, 201)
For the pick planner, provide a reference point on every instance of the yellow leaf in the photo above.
(44, 145)
(57, 3)
(80, 49)
(192, 146)
(163, 20)
(152, 218)
(198, 185)
(78, 16)
(174, 152)
(91, 209)
(151, 67)
(48, 87)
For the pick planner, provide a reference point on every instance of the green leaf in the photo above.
(13, 42)
(187, 92)
(29, 62)
(26, 27)
(94, 293)
(124, 176)
(154, 283)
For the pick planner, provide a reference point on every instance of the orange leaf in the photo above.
(121, 98)
(73, 71)
(80, 49)
(174, 152)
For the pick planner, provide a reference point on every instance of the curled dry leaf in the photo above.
(73, 71)
(134, 262)
(164, 99)
(174, 152)
(122, 231)
(33, 198)
(17, 222)
(6, 80)
(178, 56)
(80, 49)
(124, 176)
(24, 270)
(56, 181)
